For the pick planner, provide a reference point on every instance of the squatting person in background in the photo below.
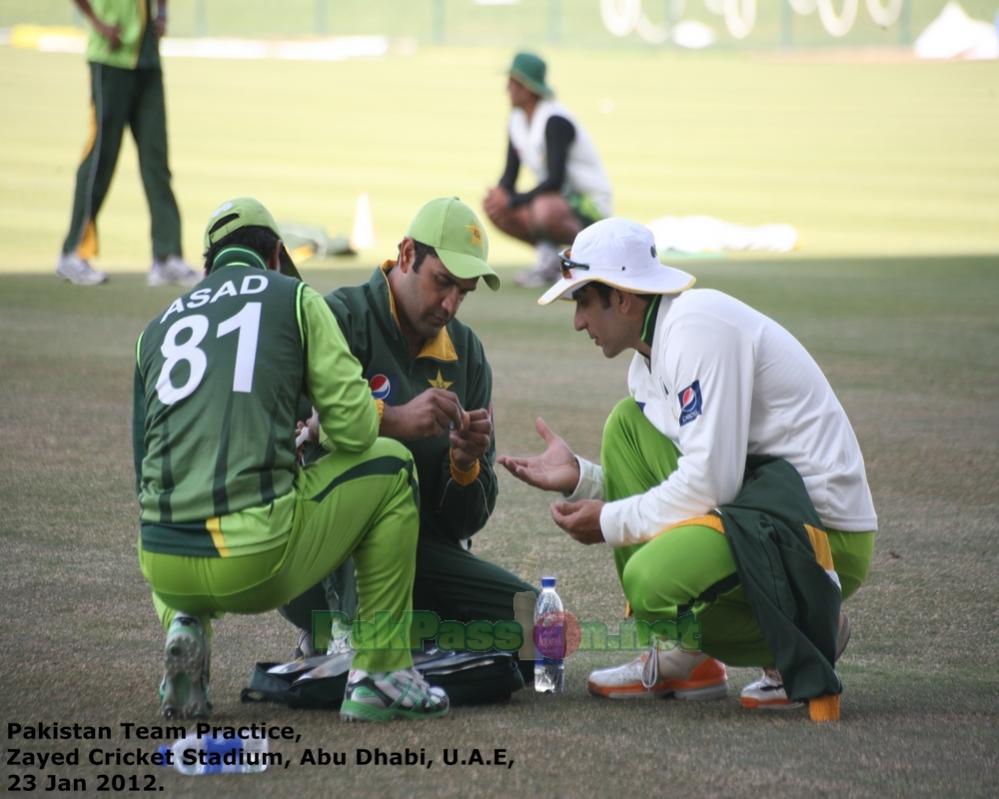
(573, 189)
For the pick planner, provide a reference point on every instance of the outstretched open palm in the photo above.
(555, 469)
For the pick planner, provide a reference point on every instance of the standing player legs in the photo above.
(149, 128)
(111, 96)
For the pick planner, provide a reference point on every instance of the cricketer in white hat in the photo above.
(618, 253)
(712, 382)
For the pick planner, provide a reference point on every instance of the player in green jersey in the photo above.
(126, 88)
(433, 384)
(229, 522)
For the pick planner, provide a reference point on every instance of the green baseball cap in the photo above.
(529, 70)
(243, 212)
(454, 231)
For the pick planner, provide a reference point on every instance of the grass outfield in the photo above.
(862, 158)
(888, 170)
(909, 346)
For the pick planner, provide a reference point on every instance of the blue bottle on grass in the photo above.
(221, 755)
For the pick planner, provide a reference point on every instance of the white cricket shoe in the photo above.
(339, 644)
(184, 691)
(767, 693)
(76, 270)
(172, 270)
(693, 676)
(547, 268)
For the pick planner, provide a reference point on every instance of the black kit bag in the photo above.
(469, 678)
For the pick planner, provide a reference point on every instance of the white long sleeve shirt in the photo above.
(723, 382)
(584, 171)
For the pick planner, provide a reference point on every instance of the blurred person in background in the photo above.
(126, 88)
(573, 189)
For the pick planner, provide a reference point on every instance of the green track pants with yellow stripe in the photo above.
(358, 505)
(678, 569)
(123, 98)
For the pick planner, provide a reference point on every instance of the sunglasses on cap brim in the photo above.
(567, 264)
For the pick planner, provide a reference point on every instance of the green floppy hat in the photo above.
(529, 70)
(454, 231)
(243, 212)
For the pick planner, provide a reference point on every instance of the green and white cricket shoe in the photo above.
(172, 271)
(77, 270)
(384, 696)
(184, 692)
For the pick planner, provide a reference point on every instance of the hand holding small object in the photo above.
(470, 442)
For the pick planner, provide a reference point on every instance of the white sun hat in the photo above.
(619, 253)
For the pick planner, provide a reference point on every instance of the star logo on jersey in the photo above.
(475, 234)
(691, 403)
(439, 381)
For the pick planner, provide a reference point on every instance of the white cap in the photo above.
(618, 253)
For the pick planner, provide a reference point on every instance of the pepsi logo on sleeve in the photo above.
(690, 402)
(380, 386)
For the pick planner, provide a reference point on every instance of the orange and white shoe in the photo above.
(676, 673)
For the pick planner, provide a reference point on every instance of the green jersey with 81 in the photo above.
(219, 375)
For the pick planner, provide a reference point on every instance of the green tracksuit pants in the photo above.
(450, 582)
(123, 98)
(344, 505)
(671, 573)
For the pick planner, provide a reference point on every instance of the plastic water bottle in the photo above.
(549, 640)
(235, 755)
